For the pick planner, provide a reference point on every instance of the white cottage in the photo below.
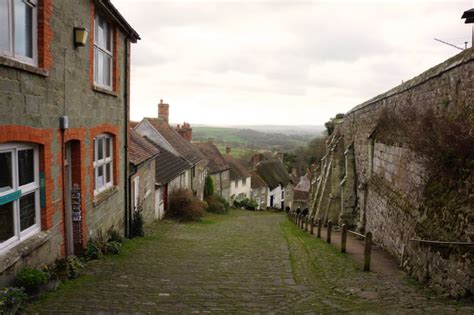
(280, 186)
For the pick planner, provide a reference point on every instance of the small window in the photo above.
(244, 182)
(19, 193)
(102, 52)
(103, 163)
(18, 30)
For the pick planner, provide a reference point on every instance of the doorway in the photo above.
(271, 201)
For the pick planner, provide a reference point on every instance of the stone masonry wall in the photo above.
(382, 183)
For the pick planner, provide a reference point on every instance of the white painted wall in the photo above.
(278, 196)
(241, 186)
(159, 204)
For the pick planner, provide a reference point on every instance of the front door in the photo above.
(68, 200)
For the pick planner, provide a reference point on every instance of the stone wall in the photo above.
(376, 185)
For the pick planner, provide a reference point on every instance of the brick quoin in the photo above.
(45, 34)
(14, 133)
(94, 132)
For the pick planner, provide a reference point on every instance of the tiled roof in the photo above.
(300, 195)
(140, 148)
(169, 166)
(217, 163)
(237, 171)
(257, 181)
(181, 145)
(273, 173)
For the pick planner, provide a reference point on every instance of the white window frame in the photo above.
(136, 192)
(98, 163)
(27, 189)
(11, 33)
(97, 48)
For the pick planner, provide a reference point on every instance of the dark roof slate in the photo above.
(217, 162)
(169, 166)
(273, 173)
(237, 170)
(140, 149)
(257, 181)
(181, 145)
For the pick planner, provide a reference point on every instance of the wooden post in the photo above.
(306, 220)
(343, 238)
(367, 251)
(328, 239)
(311, 227)
(320, 225)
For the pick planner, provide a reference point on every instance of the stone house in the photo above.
(259, 191)
(64, 98)
(280, 186)
(178, 143)
(240, 180)
(302, 193)
(218, 169)
(142, 157)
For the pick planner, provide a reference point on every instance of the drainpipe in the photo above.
(126, 176)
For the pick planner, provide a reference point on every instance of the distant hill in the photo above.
(282, 138)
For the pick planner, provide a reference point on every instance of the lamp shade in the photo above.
(80, 36)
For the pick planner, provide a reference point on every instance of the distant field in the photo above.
(236, 152)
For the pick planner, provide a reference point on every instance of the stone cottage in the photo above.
(142, 157)
(240, 180)
(280, 186)
(218, 169)
(259, 192)
(64, 93)
(301, 194)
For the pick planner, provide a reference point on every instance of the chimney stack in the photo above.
(228, 149)
(163, 111)
(185, 131)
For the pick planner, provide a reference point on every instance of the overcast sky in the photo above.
(281, 62)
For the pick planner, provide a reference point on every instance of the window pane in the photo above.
(96, 65)
(100, 148)
(108, 172)
(109, 38)
(100, 67)
(101, 32)
(107, 67)
(100, 176)
(27, 211)
(7, 230)
(108, 145)
(26, 166)
(6, 174)
(4, 26)
(23, 29)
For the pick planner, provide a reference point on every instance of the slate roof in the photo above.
(217, 162)
(140, 149)
(257, 181)
(237, 171)
(169, 166)
(273, 173)
(177, 142)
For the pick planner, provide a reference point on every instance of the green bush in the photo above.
(93, 250)
(115, 236)
(224, 202)
(208, 187)
(137, 229)
(215, 206)
(113, 248)
(184, 206)
(68, 268)
(31, 279)
(10, 297)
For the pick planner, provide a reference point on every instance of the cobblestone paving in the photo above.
(244, 262)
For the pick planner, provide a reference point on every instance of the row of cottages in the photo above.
(64, 113)
(240, 179)
(218, 169)
(179, 163)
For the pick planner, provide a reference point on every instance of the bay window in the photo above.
(19, 193)
(18, 30)
(102, 52)
(103, 163)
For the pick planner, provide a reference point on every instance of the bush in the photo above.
(113, 248)
(10, 297)
(208, 187)
(93, 251)
(215, 205)
(246, 203)
(224, 202)
(115, 236)
(184, 206)
(137, 229)
(68, 268)
(31, 280)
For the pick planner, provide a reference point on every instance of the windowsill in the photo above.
(7, 62)
(104, 90)
(22, 250)
(104, 195)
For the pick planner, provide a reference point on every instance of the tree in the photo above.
(208, 187)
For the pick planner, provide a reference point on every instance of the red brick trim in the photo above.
(14, 133)
(45, 34)
(94, 132)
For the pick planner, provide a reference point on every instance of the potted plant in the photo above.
(11, 300)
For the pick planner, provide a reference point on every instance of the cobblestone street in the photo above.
(241, 262)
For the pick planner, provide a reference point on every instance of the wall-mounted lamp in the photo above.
(80, 36)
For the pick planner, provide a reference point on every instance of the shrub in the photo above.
(184, 206)
(115, 236)
(68, 268)
(31, 279)
(93, 251)
(208, 187)
(137, 229)
(10, 297)
(113, 248)
(224, 202)
(215, 205)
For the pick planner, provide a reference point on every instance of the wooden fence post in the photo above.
(343, 238)
(311, 227)
(306, 221)
(320, 225)
(367, 251)
(328, 239)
